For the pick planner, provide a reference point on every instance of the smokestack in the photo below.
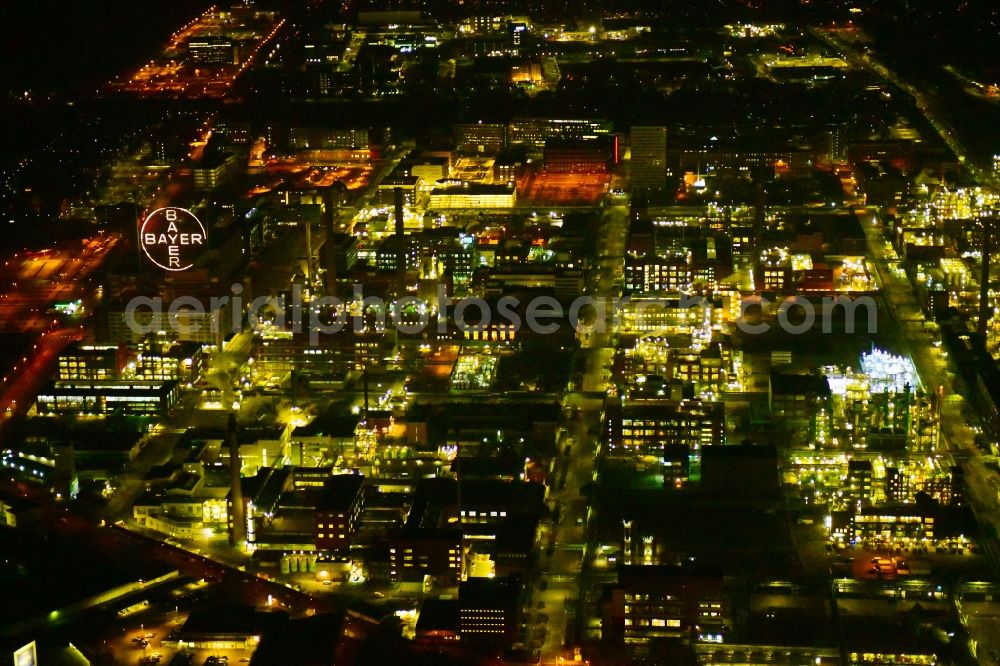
(401, 249)
(364, 379)
(328, 207)
(984, 277)
(627, 546)
(758, 216)
(309, 252)
(247, 289)
(397, 194)
(330, 257)
(238, 534)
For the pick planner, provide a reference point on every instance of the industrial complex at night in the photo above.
(487, 332)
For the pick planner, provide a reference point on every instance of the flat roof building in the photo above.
(651, 602)
(339, 511)
(469, 195)
(85, 362)
(488, 609)
(480, 138)
(649, 427)
(107, 397)
(649, 157)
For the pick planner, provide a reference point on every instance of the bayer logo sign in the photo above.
(172, 238)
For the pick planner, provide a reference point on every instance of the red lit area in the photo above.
(563, 189)
(291, 173)
(205, 57)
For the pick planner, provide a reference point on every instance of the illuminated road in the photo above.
(171, 74)
(971, 86)
(564, 543)
(22, 383)
(928, 106)
(30, 283)
(244, 586)
(957, 438)
(239, 585)
(983, 620)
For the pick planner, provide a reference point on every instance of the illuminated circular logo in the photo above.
(172, 238)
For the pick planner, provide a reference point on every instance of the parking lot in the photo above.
(566, 189)
(202, 657)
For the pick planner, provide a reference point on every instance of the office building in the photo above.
(161, 358)
(416, 553)
(211, 50)
(647, 428)
(213, 171)
(408, 185)
(707, 368)
(580, 156)
(651, 274)
(745, 473)
(508, 166)
(859, 482)
(431, 168)
(676, 465)
(469, 195)
(207, 324)
(649, 157)
(137, 398)
(338, 256)
(798, 397)
(480, 138)
(534, 132)
(651, 314)
(488, 609)
(493, 502)
(339, 511)
(885, 525)
(324, 138)
(651, 602)
(334, 355)
(396, 249)
(85, 362)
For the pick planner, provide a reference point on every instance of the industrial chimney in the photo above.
(237, 535)
(330, 258)
(397, 198)
(400, 241)
(985, 311)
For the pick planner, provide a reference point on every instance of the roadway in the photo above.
(213, 564)
(983, 621)
(564, 541)
(26, 378)
(70, 520)
(239, 585)
(32, 282)
(929, 107)
(348, 216)
(281, 258)
(957, 442)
